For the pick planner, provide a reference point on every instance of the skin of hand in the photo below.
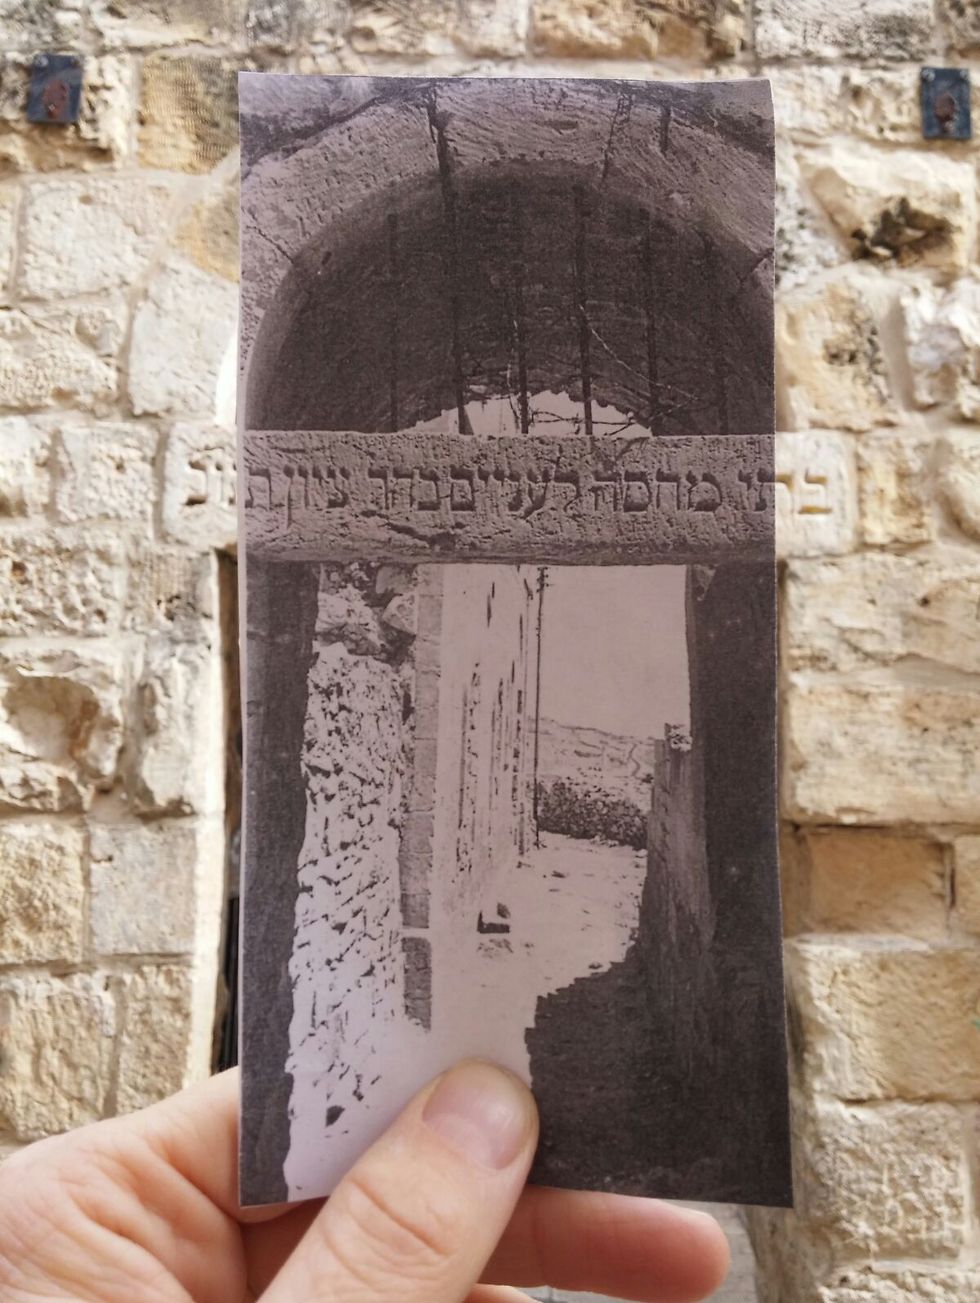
(143, 1209)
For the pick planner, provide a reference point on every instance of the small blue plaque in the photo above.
(945, 103)
(55, 95)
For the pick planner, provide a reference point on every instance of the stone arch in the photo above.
(445, 263)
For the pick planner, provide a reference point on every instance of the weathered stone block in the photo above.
(886, 1019)
(181, 334)
(56, 354)
(155, 1048)
(807, 101)
(199, 486)
(878, 609)
(898, 205)
(881, 750)
(905, 1286)
(42, 893)
(959, 478)
(188, 111)
(887, 1181)
(816, 494)
(101, 135)
(385, 27)
(961, 22)
(208, 234)
(804, 242)
(896, 488)
(492, 27)
(173, 592)
(863, 880)
(40, 24)
(60, 581)
(830, 370)
(142, 24)
(881, 29)
(179, 730)
(115, 225)
(61, 724)
(630, 29)
(144, 893)
(105, 472)
(942, 330)
(57, 1037)
(966, 885)
(25, 475)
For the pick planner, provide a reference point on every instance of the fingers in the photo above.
(420, 1213)
(612, 1244)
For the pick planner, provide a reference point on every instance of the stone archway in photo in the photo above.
(573, 253)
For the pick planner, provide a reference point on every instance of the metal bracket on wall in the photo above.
(945, 103)
(55, 94)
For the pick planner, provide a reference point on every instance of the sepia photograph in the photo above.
(507, 489)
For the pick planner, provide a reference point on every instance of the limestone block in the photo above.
(942, 331)
(8, 232)
(804, 244)
(273, 24)
(886, 1019)
(959, 478)
(188, 112)
(56, 354)
(966, 885)
(179, 747)
(181, 334)
(863, 880)
(60, 581)
(172, 592)
(889, 1181)
(208, 234)
(142, 24)
(105, 471)
(880, 29)
(115, 226)
(143, 882)
(880, 609)
(155, 1044)
(101, 135)
(199, 486)
(61, 724)
(490, 28)
(25, 475)
(807, 101)
(42, 893)
(57, 1036)
(386, 27)
(896, 488)
(905, 1286)
(41, 24)
(816, 494)
(630, 29)
(899, 205)
(881, 749)
(961, 22)
(830, 370)
(882, 104)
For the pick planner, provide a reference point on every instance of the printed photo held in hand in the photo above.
(144, 1209)
(508, 501)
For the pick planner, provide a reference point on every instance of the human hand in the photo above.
(143, 1209)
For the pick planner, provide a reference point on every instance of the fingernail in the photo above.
(484, 1113)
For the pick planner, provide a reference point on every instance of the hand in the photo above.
(144, 1208)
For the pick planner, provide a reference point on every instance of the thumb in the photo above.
(419, 1214)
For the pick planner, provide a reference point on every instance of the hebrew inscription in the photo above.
(316, 494)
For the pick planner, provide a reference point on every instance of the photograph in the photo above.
(508, 494)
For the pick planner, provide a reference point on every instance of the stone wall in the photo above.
(117, 267)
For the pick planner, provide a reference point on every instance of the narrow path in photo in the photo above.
(573, 910)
